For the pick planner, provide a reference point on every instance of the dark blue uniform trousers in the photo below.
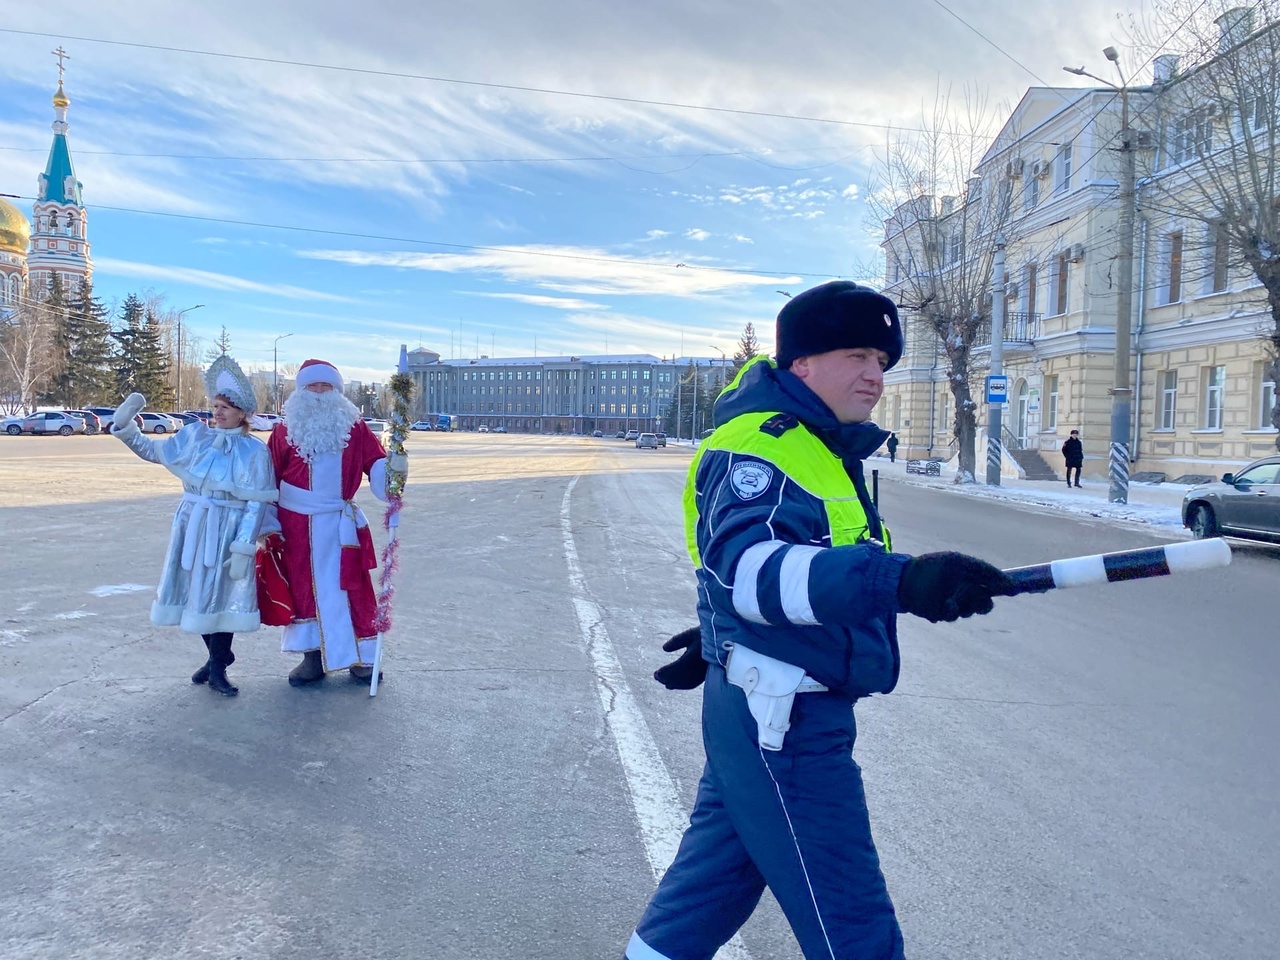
(794, 819)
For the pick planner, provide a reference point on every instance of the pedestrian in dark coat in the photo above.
(892, 444)
(1073, 456)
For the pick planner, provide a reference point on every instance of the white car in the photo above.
(158, 423)
(377, 426)
(421, 425)
(264, 421)
(43, 422)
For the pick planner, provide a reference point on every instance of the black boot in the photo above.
(202, 675)
(218, 681)
(221, 657)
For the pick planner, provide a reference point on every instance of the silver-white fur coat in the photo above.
(228, 486)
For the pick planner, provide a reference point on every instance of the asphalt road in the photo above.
(1084, 774)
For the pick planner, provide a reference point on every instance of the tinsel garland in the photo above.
(401, 393)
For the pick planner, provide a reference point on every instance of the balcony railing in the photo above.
(1018, 328)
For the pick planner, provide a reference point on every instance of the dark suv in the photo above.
(92, 424)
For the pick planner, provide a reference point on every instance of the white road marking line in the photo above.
(653, 794)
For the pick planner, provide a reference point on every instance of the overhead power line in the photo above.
(398, 75)
(314, 65)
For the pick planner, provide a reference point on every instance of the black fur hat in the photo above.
(835, 316)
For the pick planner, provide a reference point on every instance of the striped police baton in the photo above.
(1121, 565)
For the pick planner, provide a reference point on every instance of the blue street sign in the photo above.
(997, 389)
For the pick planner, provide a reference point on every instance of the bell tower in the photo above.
(60, 228)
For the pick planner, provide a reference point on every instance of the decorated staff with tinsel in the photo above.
(401, 395)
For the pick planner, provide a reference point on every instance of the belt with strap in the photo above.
(201, 535)
(309, 503)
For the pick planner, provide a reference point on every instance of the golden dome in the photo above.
(60, 98)
(15, 232)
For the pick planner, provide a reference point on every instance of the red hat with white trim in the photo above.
(318, 371)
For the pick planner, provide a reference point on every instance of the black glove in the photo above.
(690, 670)
(948, 586)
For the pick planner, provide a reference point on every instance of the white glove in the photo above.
(238, 566)
(127, 410)
(399, 463)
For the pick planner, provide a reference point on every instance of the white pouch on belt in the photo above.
(771, 687)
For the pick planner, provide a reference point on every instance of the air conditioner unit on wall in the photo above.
(1015, 168)
(1039, 169)
(1076, 253)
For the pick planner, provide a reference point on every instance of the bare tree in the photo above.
(1213, 195)
(941, 222)
(27, 353)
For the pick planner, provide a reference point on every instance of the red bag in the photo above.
(275, 602)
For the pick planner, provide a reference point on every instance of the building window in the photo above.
(1060, 267)
(1174, 267)
(1168, 410)
(1266, 397)
(1215, 381)
(1064, 168)
(1051, 403)
(1220, 250)
(1029, 288)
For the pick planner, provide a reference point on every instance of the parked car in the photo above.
(105, 415)
(499, 429)
(421, 425)
(46, 421)
(12, 425)
(91, 422)
(483, 428)
(378, 427)
(204, 416)
(153, 422)
(647, 440)
(184, 418)
(1244, 504)
(264, 421)
(620, 435)
(597, 433)
(662, 439)
(631, 435)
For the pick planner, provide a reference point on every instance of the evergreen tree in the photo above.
(748, 347)
(54, 307)
(220, 346)
(89, 375)
(153, 364)
(128, 356)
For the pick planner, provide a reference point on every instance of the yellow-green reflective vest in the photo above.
(804, 459)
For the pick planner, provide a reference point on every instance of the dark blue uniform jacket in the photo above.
(846, 637)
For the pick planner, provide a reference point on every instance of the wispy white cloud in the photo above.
(210, 280)
(696, 233)
(560, 303)
(576, 270)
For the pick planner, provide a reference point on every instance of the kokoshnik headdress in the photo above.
(225, 378)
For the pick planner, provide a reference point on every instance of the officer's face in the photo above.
(850, 382)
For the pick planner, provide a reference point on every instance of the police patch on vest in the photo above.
(749, 479)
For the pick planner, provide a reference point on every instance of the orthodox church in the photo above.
(56, 240)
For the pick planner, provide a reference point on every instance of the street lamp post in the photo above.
(1121, 392)
(275, 374)
(177, 398)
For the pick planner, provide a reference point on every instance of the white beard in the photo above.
(319, 423)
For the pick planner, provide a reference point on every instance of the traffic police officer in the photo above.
(797, 595)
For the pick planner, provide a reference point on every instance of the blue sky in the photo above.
(369, 199)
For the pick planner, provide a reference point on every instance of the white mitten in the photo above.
(127, 410)
(239, 565)
(399, 463)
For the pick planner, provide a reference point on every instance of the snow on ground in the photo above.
(1154, 505)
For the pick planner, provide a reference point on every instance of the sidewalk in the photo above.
(1154, 505)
